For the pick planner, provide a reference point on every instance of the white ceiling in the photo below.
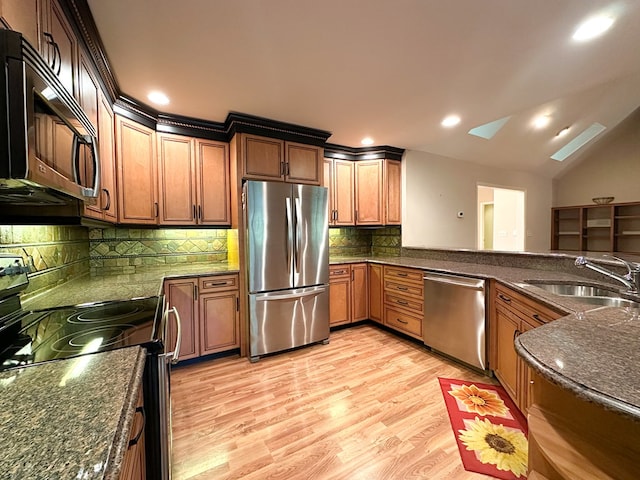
(389, 69)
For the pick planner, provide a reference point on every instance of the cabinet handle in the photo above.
(193, 214)
(335, 215)
(195, 292)
(286, 166)
(217, 284)
(402, 274)
(516, 333)
(199, 212)
(537, 317)
(504, 298)
(155, 207)
(136, 439)
(352, 275)
(402, 302)
(281, 168)
(338, 272)
(108, 205)
(402, 321)
(403, 289)
(237, 304)
(56, 53)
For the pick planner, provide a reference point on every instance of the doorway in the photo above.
(501, 223)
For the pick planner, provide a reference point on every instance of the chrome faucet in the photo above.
(631, 280)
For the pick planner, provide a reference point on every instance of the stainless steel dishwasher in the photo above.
(454, 317)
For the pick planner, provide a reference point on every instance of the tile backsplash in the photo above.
(126, 250)
(56, 253)
(352, 241)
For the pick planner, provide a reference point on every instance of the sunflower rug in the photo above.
(490, 431)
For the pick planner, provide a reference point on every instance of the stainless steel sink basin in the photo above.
(586, 294)
(575, 290)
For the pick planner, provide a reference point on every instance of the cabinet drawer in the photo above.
(525, 308)
(415, 306)
(337, 271)
(218, 283)
(416, 291)
(405, 275)
(403, 321)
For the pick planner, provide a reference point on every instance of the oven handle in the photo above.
(176, 351)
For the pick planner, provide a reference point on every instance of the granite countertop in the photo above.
(69, 418)
(148, 283)
(593, 354)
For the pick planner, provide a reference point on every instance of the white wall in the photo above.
(612, 169)
(435, 188)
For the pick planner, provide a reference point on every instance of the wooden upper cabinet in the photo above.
(194, 187)
(392, 192)
(262, 158)
(22, 16)
(339, 178)
(369, 198)
(136, 172)
(106, 206)
(303, 163)
(58, 44)
(176, 173)
(213, 183)
(265, 158)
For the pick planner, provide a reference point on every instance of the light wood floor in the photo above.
(365, 407)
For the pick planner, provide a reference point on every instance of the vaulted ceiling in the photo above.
(390, 70)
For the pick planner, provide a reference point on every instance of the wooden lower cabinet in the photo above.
(513, 314)
(209, 314)
(403, 299)
(376, 293)
(348, 294)
(134, 462)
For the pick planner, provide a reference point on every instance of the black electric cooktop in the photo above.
(40, 336)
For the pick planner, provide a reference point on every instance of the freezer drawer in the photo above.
(454, 317)
(287, 319)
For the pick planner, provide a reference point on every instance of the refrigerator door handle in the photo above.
(298, 233)
(266, 297)
(290, 233)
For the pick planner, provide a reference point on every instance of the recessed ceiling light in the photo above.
(367, 141)
(592, 27)
(450, 121)
(541, 121)
(563, 132)
(158, 98)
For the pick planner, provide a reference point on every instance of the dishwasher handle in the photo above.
(471, 283)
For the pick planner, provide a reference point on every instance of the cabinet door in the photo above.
(526, 376)
(214, 188)
(136, 168)
(303, 163)
(506, 369)
(339, 295)
(392, 193)
(176, 171)
(21, 16)
(359, 292)
(181, 294)
(219, 322)
(262, 158)
(327, 181)
(106, 144)
(63, 59)
(375, 293)
(369, 192)
(343, 187)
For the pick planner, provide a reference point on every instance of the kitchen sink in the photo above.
(586, 293)
(575, 289)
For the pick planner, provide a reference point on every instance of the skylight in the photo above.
(578, 142)
(488, 130)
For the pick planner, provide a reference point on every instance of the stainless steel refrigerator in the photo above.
(288, 265)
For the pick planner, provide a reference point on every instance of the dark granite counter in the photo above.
(88, 289)
(69, 418)
(594, 354)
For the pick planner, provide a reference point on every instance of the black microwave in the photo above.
(48, 146)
